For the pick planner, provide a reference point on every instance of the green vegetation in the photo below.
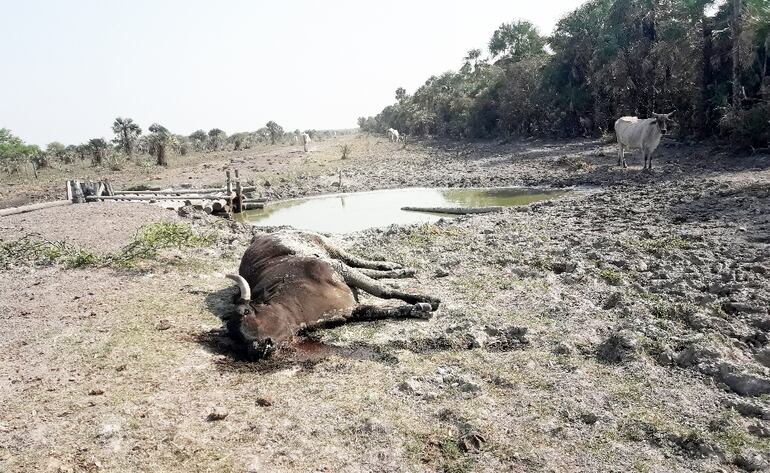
(606, 59)
(150, 239)
(14, 152)
(612, 276)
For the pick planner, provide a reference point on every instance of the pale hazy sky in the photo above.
(70, 67)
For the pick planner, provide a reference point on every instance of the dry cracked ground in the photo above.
(622, 327)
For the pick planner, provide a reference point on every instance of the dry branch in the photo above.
(455, 210)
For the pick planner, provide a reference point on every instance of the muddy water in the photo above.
(343, 213)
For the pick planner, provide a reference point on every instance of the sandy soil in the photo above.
(621, 329)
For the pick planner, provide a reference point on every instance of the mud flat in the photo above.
(625, 329)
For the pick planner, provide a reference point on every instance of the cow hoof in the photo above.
(422, 310)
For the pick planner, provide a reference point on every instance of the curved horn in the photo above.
(671, 113)
(242, 285)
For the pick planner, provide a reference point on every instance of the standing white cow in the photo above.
(393, 135)
(296, 139)
(640, 133)
(305, 141)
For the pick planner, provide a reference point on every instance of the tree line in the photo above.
(129, 141)
(708, 60)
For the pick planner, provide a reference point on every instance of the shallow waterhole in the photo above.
(344, 213)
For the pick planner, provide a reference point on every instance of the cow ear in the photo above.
(655, 123)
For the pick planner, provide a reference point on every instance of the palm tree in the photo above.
(276, 131)
(160, 139)
(126, 133)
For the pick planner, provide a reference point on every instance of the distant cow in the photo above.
(305, 141)
(640, 133)
(393, 135)
(296, 139)
(293, 280)
(586, 124)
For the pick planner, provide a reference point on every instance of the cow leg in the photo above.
(355, 278)
(394, 274)
(650, 166)
(621, 156)
(352, 260)
(365, 313)
(369, 313)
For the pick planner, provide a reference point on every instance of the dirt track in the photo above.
(625, 329)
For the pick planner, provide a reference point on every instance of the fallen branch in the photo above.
(30, 208)
(455, 210)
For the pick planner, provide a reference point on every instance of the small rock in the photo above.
(589, 418)
(562, 348)
(751, 461)
(410, 386)
(472, 442)
(469, 386)
(441, 273)
(96, 392)
(163, 324)
(612, 301)
(759, 430)
(217, 414)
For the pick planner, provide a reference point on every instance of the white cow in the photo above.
(296, 139)
(305, 141)
(640, 133)
(393, 135)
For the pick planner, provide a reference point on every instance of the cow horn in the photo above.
(242, 285)
(670, 113)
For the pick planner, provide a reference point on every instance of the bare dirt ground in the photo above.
(621, 329)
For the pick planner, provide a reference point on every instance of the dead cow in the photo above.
(641, 133)
(293, 280)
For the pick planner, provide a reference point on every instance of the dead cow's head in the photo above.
(662, 120)
(259, 326)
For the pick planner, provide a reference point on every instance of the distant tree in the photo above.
(275, 130)
(400, 94)
(361, 122)
(240, 140)
(217, 139)
(160, 140)
(14, 152)
(126, 133)
(97, 148)
(81, 150)
(58, 151)
(198, 139)
(515, 41)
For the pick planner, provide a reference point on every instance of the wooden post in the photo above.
(77, 192)
(228, 190)
(238, 195)
(108, 187)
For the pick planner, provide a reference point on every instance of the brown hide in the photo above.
(288, 291)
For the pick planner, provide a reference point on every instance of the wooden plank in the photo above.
(183, 191)
(455, 210)
(32, 207)
(69, 191)
(93, 198)
(252, 205)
